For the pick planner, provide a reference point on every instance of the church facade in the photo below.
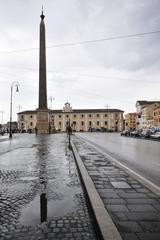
(80, 119)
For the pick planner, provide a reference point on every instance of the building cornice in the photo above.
(110, 110)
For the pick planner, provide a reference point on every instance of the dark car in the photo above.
(134, 134)
(125, 133)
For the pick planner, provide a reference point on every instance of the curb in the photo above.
(105, 224)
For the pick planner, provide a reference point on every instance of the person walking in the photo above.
(36, 130)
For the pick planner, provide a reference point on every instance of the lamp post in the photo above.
(2, 117)
(69, 130)
(16, 84)
(50, 108)
(51, 99)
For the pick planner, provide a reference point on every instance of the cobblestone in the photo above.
(29, 167)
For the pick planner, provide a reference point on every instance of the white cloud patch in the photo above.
(114, 73)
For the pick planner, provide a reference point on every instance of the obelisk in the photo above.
(42, 111)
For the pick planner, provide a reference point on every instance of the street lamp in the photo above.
(14, 84)
(50, 108)
(2, 117)
(69, 131)
(51, 99)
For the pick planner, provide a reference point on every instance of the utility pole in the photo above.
(2, 117)
(19, 108)
(51, 100)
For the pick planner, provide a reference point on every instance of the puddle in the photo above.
(41, 209)
(42, 181)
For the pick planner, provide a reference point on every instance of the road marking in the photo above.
(154, 188)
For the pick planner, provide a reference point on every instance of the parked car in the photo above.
(146, 133)
(134, 134)
(156, 135)
(109, 130)
(125, 133)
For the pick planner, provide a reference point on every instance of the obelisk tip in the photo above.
(42, 15)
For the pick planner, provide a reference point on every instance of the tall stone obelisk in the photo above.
(42, 111)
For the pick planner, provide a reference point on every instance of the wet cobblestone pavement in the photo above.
(134, 209)
(40, 192)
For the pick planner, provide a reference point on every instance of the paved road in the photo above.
(140, 155)
(134, 209)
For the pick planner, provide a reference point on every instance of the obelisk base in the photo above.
(42, 121)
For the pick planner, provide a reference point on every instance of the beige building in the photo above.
(147, 115)
(156, 116)
(144, 114)
(80, 119)
(130, 121)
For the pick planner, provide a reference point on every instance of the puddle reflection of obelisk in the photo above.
(43, 188)
(42, 111)
(43, 203)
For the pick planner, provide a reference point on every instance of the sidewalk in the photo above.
(134, 209)
(40, 192)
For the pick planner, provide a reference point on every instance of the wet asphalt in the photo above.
(140, 155)
(134, 209)
(41, 196)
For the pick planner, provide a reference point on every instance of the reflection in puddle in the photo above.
(42, 209)
(58, 186)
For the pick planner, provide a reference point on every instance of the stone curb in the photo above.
(105, 224)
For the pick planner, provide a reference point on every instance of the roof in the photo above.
(143, 102)
(28, 112)
(109, 110)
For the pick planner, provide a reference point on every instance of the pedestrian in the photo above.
(36, 130)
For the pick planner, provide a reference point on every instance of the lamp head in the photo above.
(17, 90)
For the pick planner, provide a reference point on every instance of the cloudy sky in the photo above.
(114, 73)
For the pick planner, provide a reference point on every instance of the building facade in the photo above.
(156, 116)
(130, 121)
(80, 119)
(144, 114)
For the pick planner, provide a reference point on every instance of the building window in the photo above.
(60, 123)
(90, 115)
(31, 124)
(97, 115)
(116, 115)
(31, 116)
(74, 122)
(67, 116)
(22, 124)
(82, 115)
(90, 123)
(74, 116)
(59, 116)
(97, 123)
(105, 122)
(22, 118)
(82, 123)
(106, 115)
